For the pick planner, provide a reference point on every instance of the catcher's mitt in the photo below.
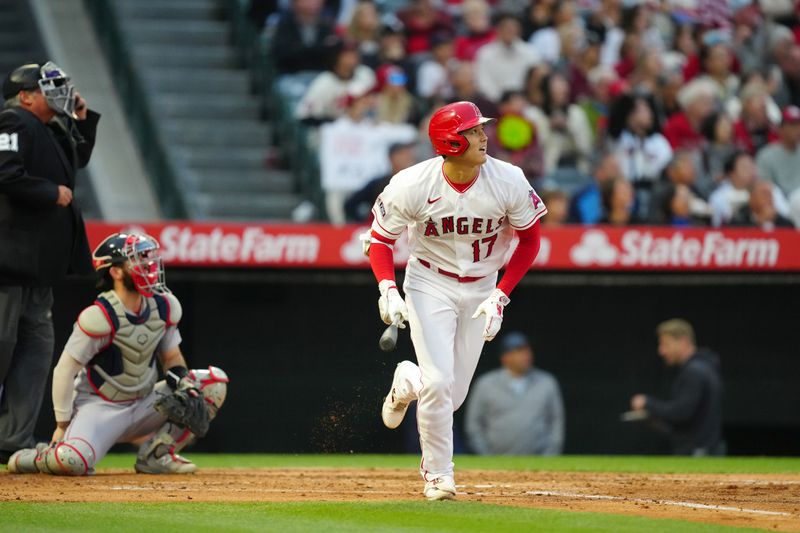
(185, 407)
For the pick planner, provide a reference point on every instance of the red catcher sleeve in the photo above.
(381, 258)
(522, 258)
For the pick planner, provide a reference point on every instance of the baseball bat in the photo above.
(388, 340)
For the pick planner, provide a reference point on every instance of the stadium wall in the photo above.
(307, 375)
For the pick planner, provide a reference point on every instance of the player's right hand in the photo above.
(391, 305)
(492, 309)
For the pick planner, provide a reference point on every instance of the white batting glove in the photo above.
(492, 307)
(391, 305)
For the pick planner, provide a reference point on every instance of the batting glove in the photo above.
(492, 307)
(391, 305)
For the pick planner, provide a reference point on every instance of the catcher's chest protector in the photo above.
(126, 369)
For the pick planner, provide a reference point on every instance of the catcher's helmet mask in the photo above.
(140, 252)
(449, 122)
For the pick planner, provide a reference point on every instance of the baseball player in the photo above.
(461, 211)
(104, 385)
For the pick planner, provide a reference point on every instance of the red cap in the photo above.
(791, 113)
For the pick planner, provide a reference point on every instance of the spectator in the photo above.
(433, 76)
(586, 61)
(693, 414)
(516, 409)
(596, 103)
(674, 207)
(502, 64)
(513, 138)
(46, 134)
(539, 16)
(733, 193)
(642, 151)
(364, 30)
(563, 129)
(422, 19)
(716, 61)
(789, 63)
(302, 38)
(479, 30)
(533, 84)
(779, 162)
(358, 207)
(324, 98)
(353, 149)
(697, 102)
(646, 77)
(754, 128)
(394, 103)
(557, 207)
(720, 145)
(618, 203)
(465, 90)
(680, 173)
(586, 206)
(760, 209)
(750, 35)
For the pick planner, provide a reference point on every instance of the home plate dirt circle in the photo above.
(770, 501)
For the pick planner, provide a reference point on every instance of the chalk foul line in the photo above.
(691, 505)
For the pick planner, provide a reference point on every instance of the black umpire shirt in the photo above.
(41, 242)
(694, 412)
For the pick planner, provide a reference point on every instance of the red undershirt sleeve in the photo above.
(381, 258)
(522, 258)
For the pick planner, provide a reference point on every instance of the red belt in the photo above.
(461, 279)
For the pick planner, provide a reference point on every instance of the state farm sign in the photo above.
(641, 248)
(251, 245)
(564, 248)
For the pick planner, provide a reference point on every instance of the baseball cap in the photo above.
(24, 78)
(790, 114)
(513, 340)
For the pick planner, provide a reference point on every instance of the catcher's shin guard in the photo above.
(24, 461)
(159, 455)
(72, 457)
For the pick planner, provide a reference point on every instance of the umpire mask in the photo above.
(57, 89)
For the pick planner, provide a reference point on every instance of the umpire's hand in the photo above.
(64, 196)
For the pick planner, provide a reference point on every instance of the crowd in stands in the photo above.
(669, 112)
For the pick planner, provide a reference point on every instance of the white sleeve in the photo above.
(171, 339)
(392, 211)
(63, 386)
(524, 207)
(83, 347)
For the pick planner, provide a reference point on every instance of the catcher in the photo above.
(104, 385)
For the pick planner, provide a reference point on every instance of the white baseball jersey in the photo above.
(467, 233)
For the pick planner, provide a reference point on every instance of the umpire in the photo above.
(46, 134)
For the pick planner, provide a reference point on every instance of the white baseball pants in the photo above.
(448, 344)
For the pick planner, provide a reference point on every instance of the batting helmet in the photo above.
(448, 122)
(140, 251)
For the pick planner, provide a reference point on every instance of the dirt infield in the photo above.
(769, 501)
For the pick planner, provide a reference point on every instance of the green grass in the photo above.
(328, 517)
(377, 516)
(583, 463)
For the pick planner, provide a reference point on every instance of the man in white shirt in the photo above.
(503, 64)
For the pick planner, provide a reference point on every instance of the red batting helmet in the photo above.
(447, 124)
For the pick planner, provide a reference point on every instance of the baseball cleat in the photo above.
(169, 463)
(393, 411)
(441, 488)
(24, 461)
